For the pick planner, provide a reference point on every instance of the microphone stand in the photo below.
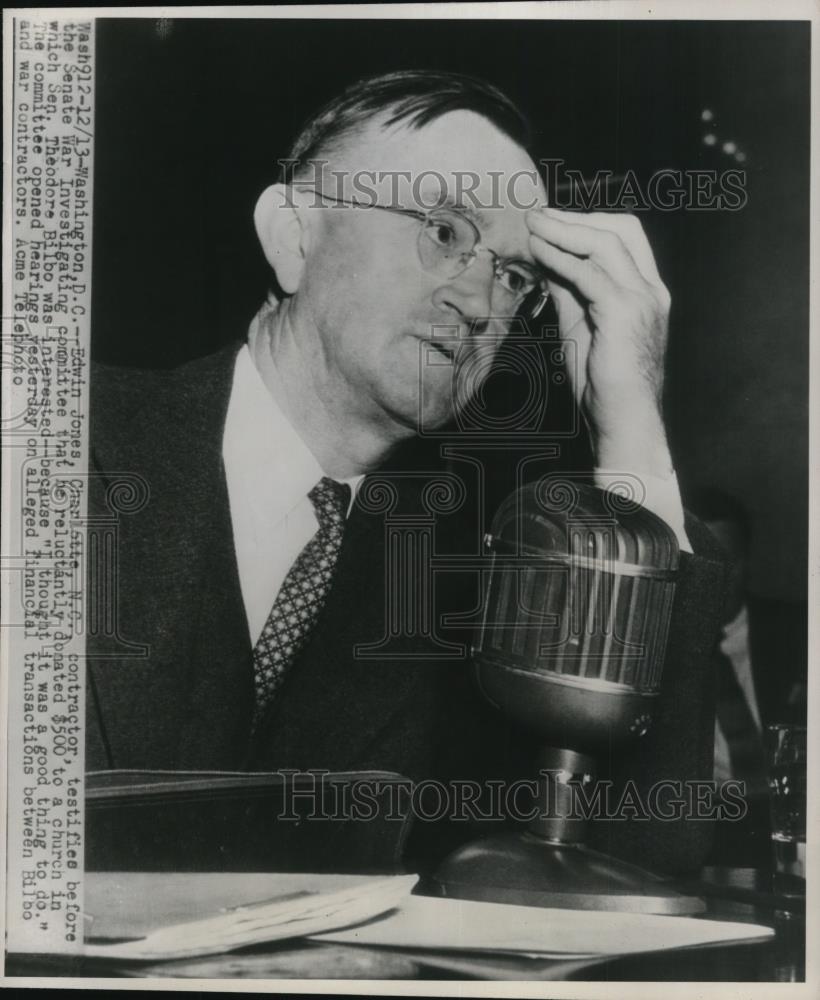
(549, 863)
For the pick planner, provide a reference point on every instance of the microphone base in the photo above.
(526, 870)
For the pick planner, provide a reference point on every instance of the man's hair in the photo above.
(415, 97)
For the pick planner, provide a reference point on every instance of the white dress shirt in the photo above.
(270, 471)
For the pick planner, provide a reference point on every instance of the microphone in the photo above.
(577, 604)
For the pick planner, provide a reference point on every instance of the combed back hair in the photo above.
(415, 97)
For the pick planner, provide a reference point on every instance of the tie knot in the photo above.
(330, 501)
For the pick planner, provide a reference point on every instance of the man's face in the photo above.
(367, 311)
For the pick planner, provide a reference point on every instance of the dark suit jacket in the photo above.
(184, 702)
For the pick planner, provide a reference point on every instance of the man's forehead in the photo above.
(461, 156)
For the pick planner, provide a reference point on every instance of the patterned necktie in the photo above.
(301, 596)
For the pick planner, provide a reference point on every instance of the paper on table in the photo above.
(138, 904)
(289, 915)
(429, 923)
(133, 904)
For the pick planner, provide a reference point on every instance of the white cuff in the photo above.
(661, 496)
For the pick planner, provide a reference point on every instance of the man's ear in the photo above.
(283, 234)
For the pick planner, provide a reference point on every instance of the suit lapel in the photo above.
(188, 703)
(220, 695)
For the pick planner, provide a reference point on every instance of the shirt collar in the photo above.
(274, 464)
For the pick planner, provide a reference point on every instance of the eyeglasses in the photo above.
(448, 243)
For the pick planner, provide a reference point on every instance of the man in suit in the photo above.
(252, 564)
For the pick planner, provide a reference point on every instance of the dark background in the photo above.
(193, 114)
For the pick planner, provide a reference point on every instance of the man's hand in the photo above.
(613, 305)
